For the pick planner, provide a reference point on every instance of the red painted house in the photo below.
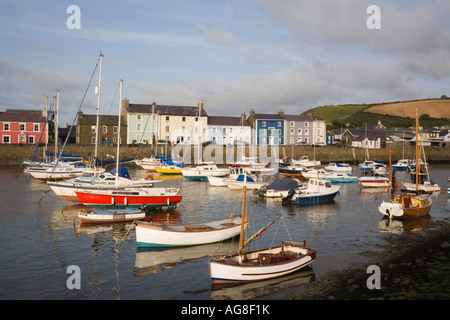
(22, 126)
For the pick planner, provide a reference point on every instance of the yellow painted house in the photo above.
(156, 124)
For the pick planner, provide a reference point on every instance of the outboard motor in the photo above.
(286, 200)
(260, 191)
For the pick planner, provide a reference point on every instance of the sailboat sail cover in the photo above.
(258, 234)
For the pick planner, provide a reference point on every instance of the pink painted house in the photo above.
(22, 126)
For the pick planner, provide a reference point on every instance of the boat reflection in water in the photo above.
(252, 290)
(403, 226)
(156, 260)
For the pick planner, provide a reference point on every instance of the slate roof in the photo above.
(166, 110)
(110, 120)
(17, 115)
(226, 121)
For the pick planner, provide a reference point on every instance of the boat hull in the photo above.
(153, 235)
(406, 207)
(258, 265)
(96, 217)
(312, 198)
(131, 199)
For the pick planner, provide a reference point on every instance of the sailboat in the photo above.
(56, 171)
(259, 264)
(408, 205)
(131, 197)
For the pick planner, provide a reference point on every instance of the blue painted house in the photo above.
(267, 129)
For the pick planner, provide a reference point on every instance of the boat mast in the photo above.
(98, 93)
(417, 151)
(118, 132)
(56, 125)
(241, 237)
(46, 129)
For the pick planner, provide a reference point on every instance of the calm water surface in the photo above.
(40, 238)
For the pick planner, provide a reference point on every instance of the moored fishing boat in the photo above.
(317, 191)
(338, 167)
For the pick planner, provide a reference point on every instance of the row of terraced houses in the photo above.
(159, 124)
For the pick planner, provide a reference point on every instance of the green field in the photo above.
(353, 115)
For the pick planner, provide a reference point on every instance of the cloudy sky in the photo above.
(232, 55)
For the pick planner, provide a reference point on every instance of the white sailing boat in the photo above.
(259, 264)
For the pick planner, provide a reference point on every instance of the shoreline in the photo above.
(413, 266)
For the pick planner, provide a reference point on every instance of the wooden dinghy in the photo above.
(173, 235)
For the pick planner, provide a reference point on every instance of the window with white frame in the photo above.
(6, 126)
(292, 124)
(299, 132)
(115, 129)
(306, 124)
(22, 126)
(214, 130)
(93, 140)
(30, 139)
(93, 129)
(6, 139)
(104, 129)
(36, 127)
(139, 116)
(138, 126)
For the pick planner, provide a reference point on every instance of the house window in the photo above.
(306, 124)
(139, 116)
(93, 140)
(93, 129)
(167, 118)
(115, 129)
(22, 127)
(31, 139)
(271, 131)
(279, 132)
(299, 131)
(263, 124)
(299, 139)
(139, 126)
(279, 124)
(6, 139)
(292, 124)
(22, 138)
(183, 129)
(183, 119)
(214, 130)
(230, 130)
(306, 132)
(36, 127)
(167, 129)
(292, 131)
(104, 129)
(6, 127)
(224, 130)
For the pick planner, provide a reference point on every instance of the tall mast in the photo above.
(46, 128)
(118, 131)
(241, 237)
(56, 103)
(99, 95)
(417, 151)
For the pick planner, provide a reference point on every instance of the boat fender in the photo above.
(125, 201)
(112, 200)
(149, 177)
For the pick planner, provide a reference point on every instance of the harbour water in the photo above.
(40, 238)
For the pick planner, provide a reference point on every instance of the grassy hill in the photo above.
(432, 112)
